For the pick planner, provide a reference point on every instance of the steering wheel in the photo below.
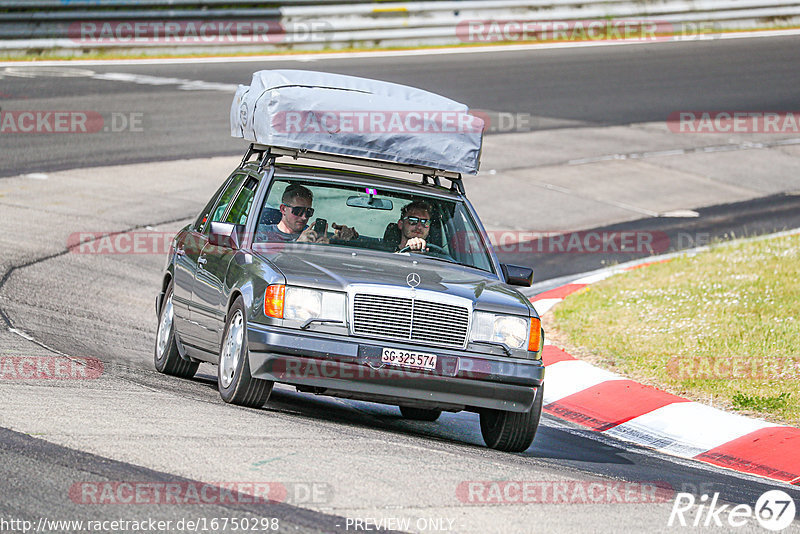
(435, 248)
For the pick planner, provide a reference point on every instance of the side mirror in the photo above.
(516, 275)
(226, 235)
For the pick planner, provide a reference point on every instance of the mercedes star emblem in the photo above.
(412, 280)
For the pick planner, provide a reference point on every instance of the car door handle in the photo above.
(180, 252)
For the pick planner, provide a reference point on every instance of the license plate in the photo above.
(404, 358)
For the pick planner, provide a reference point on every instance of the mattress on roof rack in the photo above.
(346, 115)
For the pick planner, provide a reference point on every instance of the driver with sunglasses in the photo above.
(296, 211)
(414, 225)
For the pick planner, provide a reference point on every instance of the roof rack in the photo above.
(267, 153)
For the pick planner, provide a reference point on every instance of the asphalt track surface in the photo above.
(616, 85)
(558, 88)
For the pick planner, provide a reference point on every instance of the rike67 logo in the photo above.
(774, 510)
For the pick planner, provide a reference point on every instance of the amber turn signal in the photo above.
(535, 337)
(273, 301)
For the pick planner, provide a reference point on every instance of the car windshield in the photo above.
(293, 207)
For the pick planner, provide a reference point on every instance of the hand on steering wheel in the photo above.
(436, 248)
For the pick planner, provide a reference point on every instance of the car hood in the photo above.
(337, 268)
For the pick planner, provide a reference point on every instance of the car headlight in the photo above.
(302, 304)
(508, 329)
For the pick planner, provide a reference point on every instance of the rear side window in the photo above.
(241, 206)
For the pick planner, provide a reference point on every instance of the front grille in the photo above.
(410, 319)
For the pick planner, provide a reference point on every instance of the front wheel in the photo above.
(236, 386)
(512, 431)
(167, 359)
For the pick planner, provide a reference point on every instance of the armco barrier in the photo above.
(314, 24)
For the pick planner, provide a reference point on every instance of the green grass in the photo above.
(721, 325)
(98, 52)
(754, 402)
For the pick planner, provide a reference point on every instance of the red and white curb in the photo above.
(606, 402)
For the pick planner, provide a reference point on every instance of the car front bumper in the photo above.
(352, 365)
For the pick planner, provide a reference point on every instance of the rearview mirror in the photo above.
(516, 275)
(226, 235)
(371, 202)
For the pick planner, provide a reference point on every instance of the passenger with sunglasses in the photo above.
(296, 211)
(415, 225)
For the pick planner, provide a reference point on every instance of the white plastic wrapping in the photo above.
(353, 116)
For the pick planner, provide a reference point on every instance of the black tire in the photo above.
(235, 384)
(420, 414)
(512, 431)
(166, 357)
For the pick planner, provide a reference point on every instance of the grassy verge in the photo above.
(721, 326)
(100, 53)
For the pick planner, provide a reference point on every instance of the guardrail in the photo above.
(309, 24)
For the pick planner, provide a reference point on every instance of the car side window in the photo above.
(203, 217)
(467, 247)
(241, 206)
(225, 199)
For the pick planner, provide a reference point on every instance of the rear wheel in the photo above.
(420, 414)
(512, 431)
(167, 359)
(236, 385)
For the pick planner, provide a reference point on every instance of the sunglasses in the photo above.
(413, 221)
(298, 211)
